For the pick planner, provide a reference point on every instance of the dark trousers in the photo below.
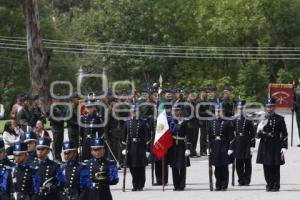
(203, 138)
(179, 177)
(73, 133)
(272, 176)
(58, 138)
(192, 137)
(244, 170)
(158, 171)
(138, 177)
(222, 176)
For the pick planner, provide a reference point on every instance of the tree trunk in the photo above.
(38, 55)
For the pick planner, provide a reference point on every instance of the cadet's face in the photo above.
(98, 153)
(270, 109)
(42, 153)
(20, 159)
(2, 154)
(69, 155)
(31, 146)
(90, 110)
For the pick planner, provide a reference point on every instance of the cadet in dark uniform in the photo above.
(51, 179)
(243, 145)
(90, 122)
(136, 137)
(102, 172)
(31, 140)
(5, 172)
(273, 144)
(212, 98)
(193, 125)
(203, 108)
(24, 177)
(220, 137)
(76, 174)
(227, 103)
(178, 154)
(72, 123)
(297, 106)
(57, 127)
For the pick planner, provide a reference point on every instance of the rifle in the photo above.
(125, 162)
(210, 173)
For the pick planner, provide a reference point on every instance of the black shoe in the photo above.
(275, 190)
(134, 189)
(298, 145)
(224, 188)
(140, 189)
(241, 183)
(180, 189)
(268, 189)
(218, 189)
(175, 189)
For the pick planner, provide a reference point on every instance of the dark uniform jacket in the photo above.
(244, 138)
(24, 180)
(273, 138)
(5, 178)
(220, 136)
(77, 180)
(51, 179)
(102, 174)
(176, 154)
(136, 133)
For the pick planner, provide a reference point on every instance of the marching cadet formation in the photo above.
(95, 151)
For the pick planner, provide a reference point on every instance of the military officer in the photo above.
(228, 103)
(5, 171)
(91, 125)
(272, 146)
(57, 127)
(24, 177)
(297, 105)
(243, 145)
(102, 172)
(31, 140)
(193, 125)
(76, 174)
(220, 137)
(178, 154)
(203, 107)
(72, 123)
(49, 173)
(136, 136)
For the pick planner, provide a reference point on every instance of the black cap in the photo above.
(69, 146)
(202, 89)
(213, 88)
(44, 142)
(19, 148)
(29, 137)
(97, 143)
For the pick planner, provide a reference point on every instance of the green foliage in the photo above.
(226, 23)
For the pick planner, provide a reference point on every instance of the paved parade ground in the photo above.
(197, 181)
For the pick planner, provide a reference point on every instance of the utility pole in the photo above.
(38, 55)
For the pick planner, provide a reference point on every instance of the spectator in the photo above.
(39, 130)
(10, 137)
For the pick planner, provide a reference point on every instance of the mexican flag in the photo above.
(163, 137)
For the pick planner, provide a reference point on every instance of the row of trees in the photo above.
(169, 23)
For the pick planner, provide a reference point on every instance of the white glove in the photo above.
(147, 154)
(187, 153)
(124, 152)
(261, 125)
(229, 152)
(207, 151)
(283, 150)
(252, 149)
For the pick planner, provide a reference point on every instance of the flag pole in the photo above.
(163, 159)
